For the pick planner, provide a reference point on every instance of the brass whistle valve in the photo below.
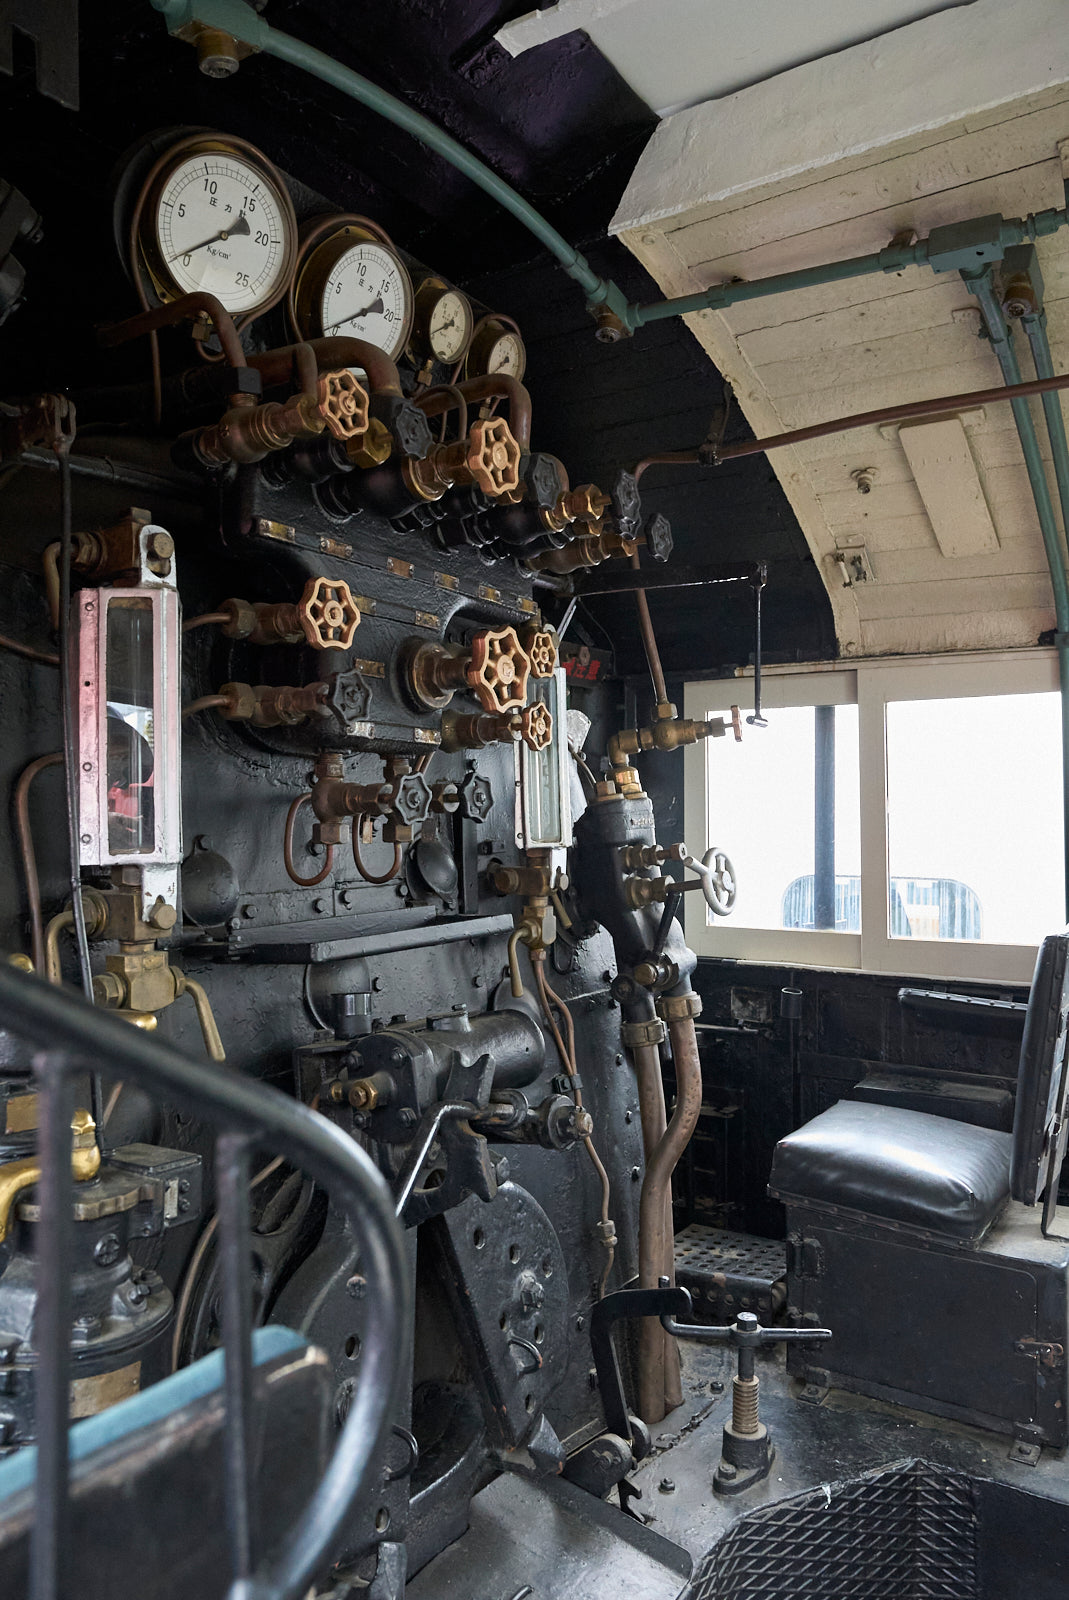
(670, 732)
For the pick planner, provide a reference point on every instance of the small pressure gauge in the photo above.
(351, 282)
(496, 346)
(218, 218)
(443, 322)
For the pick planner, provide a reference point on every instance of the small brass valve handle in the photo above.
(213, 1044)
(498, 671)
(491, 458)
(536, 726)
(342, 403)
(328, 614)
(541, 647)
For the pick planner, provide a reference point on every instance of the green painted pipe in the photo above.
(1035, 326)
(981, 286)
(616, 317)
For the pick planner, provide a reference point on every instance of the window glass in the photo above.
(763, 812)
(974, 811)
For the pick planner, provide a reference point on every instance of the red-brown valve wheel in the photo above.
(494, 457)
(498, 671)
(328, 614)
(342, 403)
(536, 726)
(541, 647)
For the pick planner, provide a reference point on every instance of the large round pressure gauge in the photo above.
(496, 346)
(352, 283)
(218, 218)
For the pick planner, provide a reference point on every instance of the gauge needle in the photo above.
(241, 225)
(375, 305)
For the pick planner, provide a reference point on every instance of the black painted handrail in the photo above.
(70, 1035)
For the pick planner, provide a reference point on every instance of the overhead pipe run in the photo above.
(225, 31)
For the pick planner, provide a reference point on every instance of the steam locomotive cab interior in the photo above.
(534, 660)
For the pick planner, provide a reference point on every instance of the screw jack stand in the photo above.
(748, 1452)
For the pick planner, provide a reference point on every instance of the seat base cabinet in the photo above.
(979, 1334)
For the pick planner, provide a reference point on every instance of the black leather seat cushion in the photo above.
(898, 1165)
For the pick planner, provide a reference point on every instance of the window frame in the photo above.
(870, 684)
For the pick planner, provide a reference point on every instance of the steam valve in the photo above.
(246, 434)
(495, 669)
(488, 457)
(325, 617)
(533, 726)
(541, 647)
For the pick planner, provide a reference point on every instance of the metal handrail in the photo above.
(75, 1037)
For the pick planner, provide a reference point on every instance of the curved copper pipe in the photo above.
(494, 386)
(199, 303)
(206, 703)
(16, 646)
(287, 848)
(370, 877)
(654, 1231)
(280, 367)
(658, 1397)
(213, 619)
(454, 400)
(29, 858)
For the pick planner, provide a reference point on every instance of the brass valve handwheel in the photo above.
(541, 647)
(343, 404)
(498, 671)
(536, 726)
(328, 614)
(494, 457)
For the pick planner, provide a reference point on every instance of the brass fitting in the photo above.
(140, 980)
(679, 1007)
(246, 434)
(636, 856)
(402, 796)
(372, 447)
(15, 1176)
(266, 706)
(533, 726)
(600, 543)
(670, 732)
(488, 457)
(540, 645)
(325, 617)
(494, 668)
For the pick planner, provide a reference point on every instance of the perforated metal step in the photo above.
(730, 1272)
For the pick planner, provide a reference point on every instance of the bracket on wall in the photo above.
(53, 27)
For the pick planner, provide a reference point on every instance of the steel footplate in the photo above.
(730, 1272)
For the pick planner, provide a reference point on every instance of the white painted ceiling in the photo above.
(676, 53)
(955, 116)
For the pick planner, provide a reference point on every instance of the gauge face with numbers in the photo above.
(222, 223)
(367, 295)
(496, 348)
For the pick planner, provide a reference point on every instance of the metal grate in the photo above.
(905, 1533)
(246, 1115)
(730, 1272)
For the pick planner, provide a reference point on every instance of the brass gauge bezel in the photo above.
(485, 335)
(323, 243)
(429, 293)
(148, 248)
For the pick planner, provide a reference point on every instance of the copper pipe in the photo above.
(654, 1231)
(287, 848)
(206, 703)
(548, 1000)
(649, 639)
(281, 367)
(50, 563)
(199, 303)
(29, 857)
(655, 1400)
(370, 877)
(668, 458)
(207, 619)
(495, 385)
(45, 657)
(451, 398)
